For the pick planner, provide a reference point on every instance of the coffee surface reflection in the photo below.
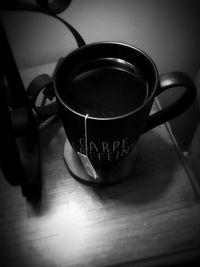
(105, 88)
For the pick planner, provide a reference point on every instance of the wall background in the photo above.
(169, 31)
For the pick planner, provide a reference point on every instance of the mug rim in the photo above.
(78, 50)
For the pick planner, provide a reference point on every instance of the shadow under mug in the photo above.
(104, 143)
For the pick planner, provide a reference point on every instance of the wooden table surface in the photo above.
(152, 217)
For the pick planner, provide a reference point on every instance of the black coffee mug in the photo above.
(104, 93)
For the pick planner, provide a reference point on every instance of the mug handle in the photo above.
(168, 81)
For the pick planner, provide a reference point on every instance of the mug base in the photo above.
(116, 174)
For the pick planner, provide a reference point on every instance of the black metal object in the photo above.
(19, 142)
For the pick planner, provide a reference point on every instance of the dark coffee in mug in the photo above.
(107, 87)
